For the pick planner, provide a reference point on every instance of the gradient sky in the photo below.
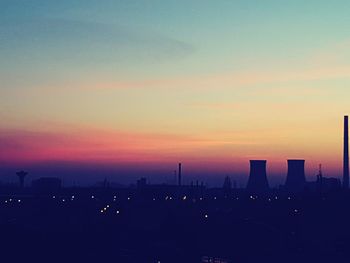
(119, 89)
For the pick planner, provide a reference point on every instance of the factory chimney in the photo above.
(296, 176)
(346, 154)
(257, 181)
(179, 174)
(21, 175)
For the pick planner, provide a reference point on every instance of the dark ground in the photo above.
(237, 228)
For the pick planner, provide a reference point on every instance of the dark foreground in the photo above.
(129, 227)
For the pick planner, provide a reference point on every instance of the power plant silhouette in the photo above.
(257, 181)
(296, 175)
(296, 180)
(298, 214)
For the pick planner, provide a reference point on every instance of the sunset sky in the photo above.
(121, 89)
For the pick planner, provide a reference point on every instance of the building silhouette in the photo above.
(295, 181)
(257, 181)
(141, 183)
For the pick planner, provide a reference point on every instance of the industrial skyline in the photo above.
(106, 86)
(258, 180)
(174, 131)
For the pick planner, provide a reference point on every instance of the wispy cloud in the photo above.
(92, 40)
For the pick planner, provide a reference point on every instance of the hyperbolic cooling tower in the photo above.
(257, 181)
(296, 175)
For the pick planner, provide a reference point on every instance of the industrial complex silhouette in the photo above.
(301, 221)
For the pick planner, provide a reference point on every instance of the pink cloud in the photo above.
(106, 146)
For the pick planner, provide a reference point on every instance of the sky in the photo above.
(93, 89)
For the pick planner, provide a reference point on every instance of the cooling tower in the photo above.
(257, 181)
(296, 176)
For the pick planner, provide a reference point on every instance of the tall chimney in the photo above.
(179, 174)
(257, 181)
(21, 175)
(346, 154)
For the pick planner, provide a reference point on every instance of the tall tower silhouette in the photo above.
(346, 154)
(21, 175)
(179, 174)
(257, 181)
(296, 175)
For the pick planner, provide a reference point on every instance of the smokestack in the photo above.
(21, 175)
(346, 154)
(296, 175)
(257, 181)
(179, 174)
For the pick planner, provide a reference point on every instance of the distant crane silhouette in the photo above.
(21, 175)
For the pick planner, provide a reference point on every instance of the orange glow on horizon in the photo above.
(213, 152)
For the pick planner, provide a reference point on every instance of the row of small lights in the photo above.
(184, 198)
(104, 209)
(13, 200)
